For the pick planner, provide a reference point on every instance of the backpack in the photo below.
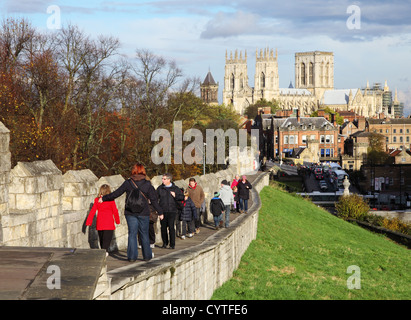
(136, 202)
(216, 206)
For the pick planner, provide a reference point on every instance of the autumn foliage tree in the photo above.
(77, 101)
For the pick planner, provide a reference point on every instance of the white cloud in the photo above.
(224, 25)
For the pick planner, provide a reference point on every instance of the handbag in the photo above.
(153, 212)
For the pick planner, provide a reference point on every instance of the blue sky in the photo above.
(196, 34)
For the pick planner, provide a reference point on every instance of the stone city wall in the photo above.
(193, 273)
(41, 207)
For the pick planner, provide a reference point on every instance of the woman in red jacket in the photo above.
(107, 214)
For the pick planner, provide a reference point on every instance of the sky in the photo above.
(371, 40)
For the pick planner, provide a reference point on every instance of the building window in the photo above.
(262, 80)
(394, 131)
(302, 70)
(394, 139)
(285, 139)
(311, 74)
(322, 152)
(408, 139)
(322, 139)
(387, 140)
(304, 139)
(401, 139)
(292, 140)
(327, 139)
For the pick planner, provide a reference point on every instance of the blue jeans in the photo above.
(138, 225)
(227, 215)
(244, 204)
(217, 220)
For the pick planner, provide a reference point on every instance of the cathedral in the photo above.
(314, 86)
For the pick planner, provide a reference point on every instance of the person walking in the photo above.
(226, 195)
(137, 222)
(244, 187)
(107, 214)
(188, 216)
(168, 195)
(235, 181)
(235, 190)
(236, 200)
(196, 194)
(217, 208)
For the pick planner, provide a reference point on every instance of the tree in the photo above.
(157, 76)
(352, 206)
(375, 152)
(252, 110)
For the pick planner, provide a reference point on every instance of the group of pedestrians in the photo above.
(174, 207)
(227, 197)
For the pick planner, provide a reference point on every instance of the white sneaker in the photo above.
(190, 235)
(183, 237)
(152, 255)
(152, 246)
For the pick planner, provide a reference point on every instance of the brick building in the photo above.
(397, 132)
(316, 134)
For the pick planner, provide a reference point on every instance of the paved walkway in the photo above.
(25, 273)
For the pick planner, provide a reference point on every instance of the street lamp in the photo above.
(204, 157)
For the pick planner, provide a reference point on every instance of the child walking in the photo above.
(188, 216)
(217, 208)
(107, 213)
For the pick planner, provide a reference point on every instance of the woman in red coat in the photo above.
(107, 214)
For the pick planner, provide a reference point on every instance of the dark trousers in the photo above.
(105, 237)
(168, 236)
(151, 234)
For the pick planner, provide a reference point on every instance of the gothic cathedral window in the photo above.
(302, 74)
(262, 80)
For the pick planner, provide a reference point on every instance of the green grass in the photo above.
(303, 252)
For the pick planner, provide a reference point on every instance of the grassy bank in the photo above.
(303, 252)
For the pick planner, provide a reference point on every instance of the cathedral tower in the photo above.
(266, 80)
(236, 91)
(209, 90)
(314, 71)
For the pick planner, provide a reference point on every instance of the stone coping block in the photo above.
(36, 168)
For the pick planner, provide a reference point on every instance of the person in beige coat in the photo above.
(196, 193)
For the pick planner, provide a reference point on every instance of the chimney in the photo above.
(361, 124)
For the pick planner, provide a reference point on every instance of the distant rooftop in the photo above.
(339, 96)
(292, 91)
(209, 80)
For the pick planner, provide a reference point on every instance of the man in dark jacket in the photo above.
(168, 195)
(244, 187)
